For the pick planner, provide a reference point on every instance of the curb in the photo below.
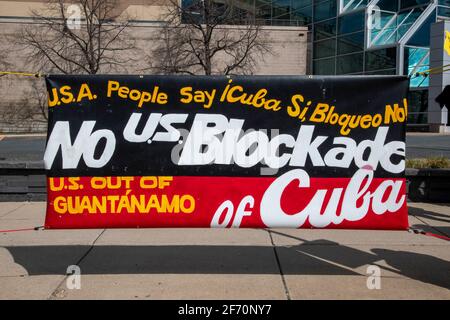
(22, 164)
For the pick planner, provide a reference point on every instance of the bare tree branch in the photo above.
(96, 42)
(69, 37)
(31, 108)
(209, 37)
(4, 64)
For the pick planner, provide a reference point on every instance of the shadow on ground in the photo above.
(319, 257)
(427, 214)
(439, 230)
(435, 217)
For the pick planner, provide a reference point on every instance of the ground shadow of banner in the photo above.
(318, 257)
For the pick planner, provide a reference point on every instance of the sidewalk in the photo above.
(222, 264)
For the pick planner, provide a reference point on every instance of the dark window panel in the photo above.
(417, 107)
(387, 72)
(263, 10)
(325, 48)
(411, 3)
(325, 10)
(353, 5)
(381, 59)
(281, 9)
(421, 37)
(388, 5)
(326, 29)
(303, 15)
(301, 3)
(443, 12)
(324, 66)
(351, 43)
(351, 22)
(351, 63)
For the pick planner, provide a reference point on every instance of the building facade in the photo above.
(361, 37)
(370, 37)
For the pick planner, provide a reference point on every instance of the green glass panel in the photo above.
(325, 10)
(388, 5)
(351, 43)
(348, 5)
(351, 63)
(324, 48)
(302, 14)
(381, 59)
(324, 66)
(351, 22)
(412, 3)
(325, 29)
(417, 107)
(387, 72)
(443, 12)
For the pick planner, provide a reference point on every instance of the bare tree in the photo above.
(39, 92)
(4, 65)
(78, 36)
(30, 109)
(209, 37)
(70, 37)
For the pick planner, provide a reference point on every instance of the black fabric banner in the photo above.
(221, 131)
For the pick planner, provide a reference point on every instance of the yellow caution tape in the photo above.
(37, 75)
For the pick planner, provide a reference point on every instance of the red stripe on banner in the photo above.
(246, 202)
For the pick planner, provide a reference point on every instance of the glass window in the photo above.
(351, 22)
(350, 63)
(301, 3)
(388, 5)
(301, 14)
(387, 72)
(411, 3)
(325, 48)
(443, 12)
(263, 9)
(383, 29)
(418, 107)
(191, 11)
(419, 81)
(240, 12)
(405, 20)
(324, 66)
(421, 37)
(325, 10)
(325, 29)
(281, 9)
(351, 43)
(417, 60)
(348, 5)
(381, 59)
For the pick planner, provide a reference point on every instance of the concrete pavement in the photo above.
(223, 264)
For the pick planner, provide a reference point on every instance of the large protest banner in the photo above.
(244, 151)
